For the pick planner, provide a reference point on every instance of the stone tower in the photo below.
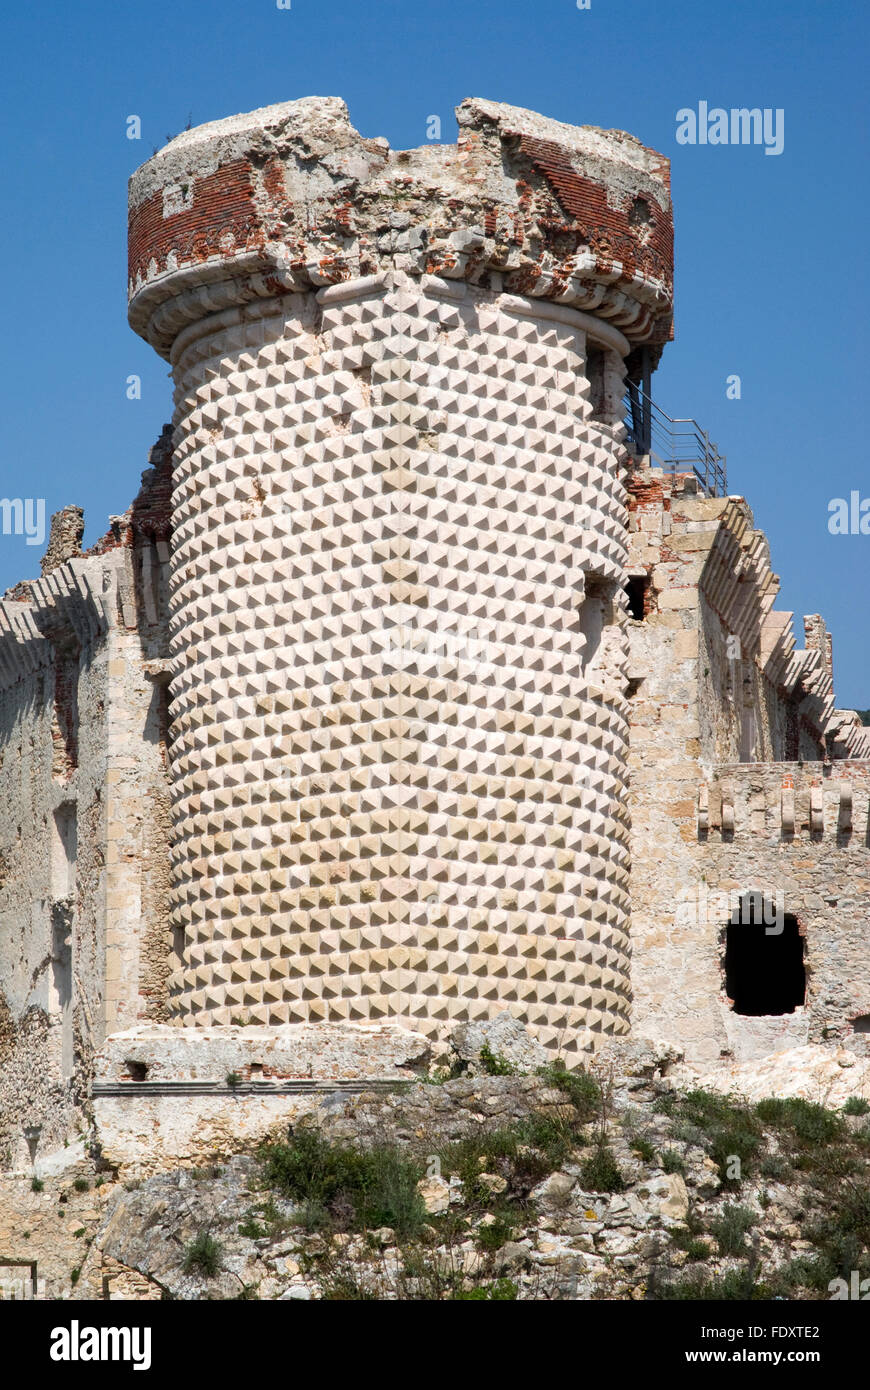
(398, 717)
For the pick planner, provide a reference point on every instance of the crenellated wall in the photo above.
(723, 706)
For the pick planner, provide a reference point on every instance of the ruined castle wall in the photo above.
(82, 840)
(50, 716)
(664, 753)
(710, 583)
(798, 834)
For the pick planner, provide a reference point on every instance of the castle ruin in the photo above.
(414, 686)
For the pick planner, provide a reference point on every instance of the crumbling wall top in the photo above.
(291, 197)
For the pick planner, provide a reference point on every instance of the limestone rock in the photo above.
(505, 1037)
(827, 1076)
(435, 1193)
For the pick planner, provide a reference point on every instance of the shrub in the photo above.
(856, 1105)
(203, 1254)
(523, 1154)
(737, 1285)
(494, 1064)
(81, 1185)
(672, 1162)
(643, 1148)
(831, 1161)
(600, 1172)
(683, 1239)
(501, 1291)
(251, 1227)
(811, 1124)
(37, 1185)
(343, 1285)
(842, 1238)
(582, 1090)
(774, 1167)
(727, 1129)
(730, 1228)
(348, 1188)
(493, 1236)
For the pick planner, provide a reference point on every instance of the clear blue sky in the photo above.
(771, 261)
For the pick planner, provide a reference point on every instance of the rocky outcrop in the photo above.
(610, 1183)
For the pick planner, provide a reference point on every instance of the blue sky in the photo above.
(771, 272)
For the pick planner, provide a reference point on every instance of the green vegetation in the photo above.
(502, 1291)
(600, 1172)
(581, 1089)
(347, 1189)
(856, 1105)
(494, 1235)
(737, 1285)
(810, 1124)
(494, 1064)
(203, 1255)
(775, 1167)
(730, 1228)
(727, 1129)
(251, 1227)
(643, 1148)
(695, 1248)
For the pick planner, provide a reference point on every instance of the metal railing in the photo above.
(673, 444)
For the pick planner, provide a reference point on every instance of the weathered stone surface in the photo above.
(166, 1096)
(826, 1076)
(568, 1242)
(505, 1036)
(435, 1193)
(345, 720)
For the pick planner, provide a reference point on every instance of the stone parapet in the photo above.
(787, 801)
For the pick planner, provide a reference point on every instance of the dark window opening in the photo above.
(636, 590)
(764, 964)
(861, 1024)
(138, 1071)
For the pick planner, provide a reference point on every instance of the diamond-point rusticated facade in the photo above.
(398, 719)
